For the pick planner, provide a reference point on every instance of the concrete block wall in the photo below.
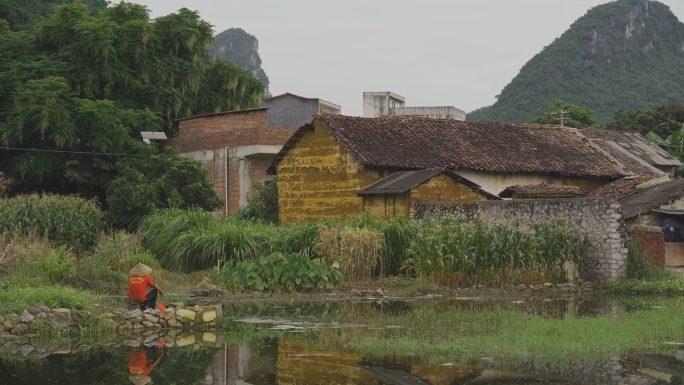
(291, 111)
(652, 242)
(599, 218)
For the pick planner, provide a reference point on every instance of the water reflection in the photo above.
(296, 360)
(138, 364)
(303, 344)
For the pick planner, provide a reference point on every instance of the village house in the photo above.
(643, 162)
(335, 166)
(237, 147)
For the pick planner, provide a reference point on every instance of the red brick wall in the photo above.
(653, 243)
(235, 129)
(230, 121)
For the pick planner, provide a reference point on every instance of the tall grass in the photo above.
(447, 251)
(65, 220)
(193, 240)
(456, 253)
(356, 250)
(398, 233)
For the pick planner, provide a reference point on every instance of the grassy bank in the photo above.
(448, 334)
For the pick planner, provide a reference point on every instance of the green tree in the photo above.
(665, 120)
(76, 91)
(24, 14)
(574, 116)
(157, 181)
(263, 204)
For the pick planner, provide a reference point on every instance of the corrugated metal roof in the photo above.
(636, 144)
(647, 199)
(400, 182)
(403, 181)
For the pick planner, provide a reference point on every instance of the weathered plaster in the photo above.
(495, 183)
(318, 179)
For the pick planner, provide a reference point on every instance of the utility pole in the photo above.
(561, 115)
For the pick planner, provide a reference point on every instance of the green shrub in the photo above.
(638, 266)
(643, 277)
(263, 205)
(37, 261)
(58, 266)
(280, 272)
(157, 181)
(65, 220)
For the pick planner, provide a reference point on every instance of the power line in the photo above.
(99, 153)
(70, 152)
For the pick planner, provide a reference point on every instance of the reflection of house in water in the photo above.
(289, 362)
(237, 364)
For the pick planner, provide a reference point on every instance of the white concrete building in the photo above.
(380, 104)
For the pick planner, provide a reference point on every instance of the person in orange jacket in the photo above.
(140, 281)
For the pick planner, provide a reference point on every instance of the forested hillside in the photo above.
(241, 49)
(626, 54)
(24, 14)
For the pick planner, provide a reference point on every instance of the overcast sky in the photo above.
(433, 52)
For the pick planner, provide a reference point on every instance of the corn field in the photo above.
(65, 220)
(457, 254)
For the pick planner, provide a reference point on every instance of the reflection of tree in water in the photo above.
(180, 366)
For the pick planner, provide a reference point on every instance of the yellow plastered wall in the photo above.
(440, 188)
(318, 179)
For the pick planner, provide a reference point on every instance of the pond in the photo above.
(342, 343)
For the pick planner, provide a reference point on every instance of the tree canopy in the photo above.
(76, 91)
(24, 14)
(664, 120)
(160, 181)
(572, 115)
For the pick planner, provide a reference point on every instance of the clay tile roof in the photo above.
(622, 187)
(410, 142)
(634, 143)
(543, 190)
